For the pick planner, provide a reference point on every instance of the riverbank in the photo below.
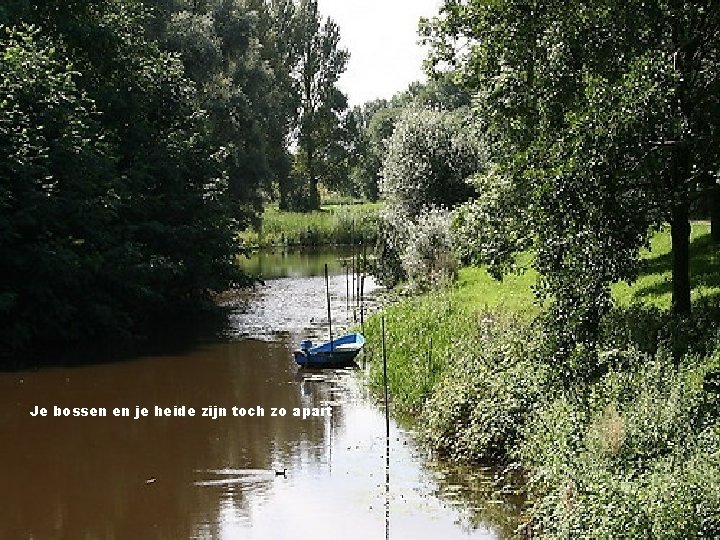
(625, 444)
(333, 224)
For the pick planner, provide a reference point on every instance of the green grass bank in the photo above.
(630, 450)
(333, 224)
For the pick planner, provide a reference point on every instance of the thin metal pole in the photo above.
(352, 260)
(359, 272)
(327, 289)
(362, 302)
(362, 287)
(354, 277)
(347, 290)
(430, 363)
(385, 380)
(387, 437)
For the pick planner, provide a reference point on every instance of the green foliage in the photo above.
(138, 138)
(492, 384)
(368, 146)
(631, 457)
(219, 44)
(624, 445)
(371, 125)
(428, 256)
(597, 121)
(52, 220)
(649, 294)
(441, 92)
(429, 155)
(118, 202)
(413, 366)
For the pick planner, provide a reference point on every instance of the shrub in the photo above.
(490, 387)
(429, 156)
(428, 257)
(633, 455)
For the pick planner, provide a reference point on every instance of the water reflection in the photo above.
(296, 263)
(202, 478)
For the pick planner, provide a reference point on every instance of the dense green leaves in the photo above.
(601, 123)
(119, 201)
(51, 218)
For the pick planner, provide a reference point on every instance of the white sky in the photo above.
(381, 36)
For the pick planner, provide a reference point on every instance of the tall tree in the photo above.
(367, 150)
(278, 29)
(602, 120)
(321, 63)
(116, 199)
(219, 43)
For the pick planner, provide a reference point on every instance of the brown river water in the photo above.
(216, 477)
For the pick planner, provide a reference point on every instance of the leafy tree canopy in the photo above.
(601, 122)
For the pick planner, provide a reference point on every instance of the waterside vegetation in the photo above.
(621, 442)
(333, 224)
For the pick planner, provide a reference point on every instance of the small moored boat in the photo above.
(338, 352)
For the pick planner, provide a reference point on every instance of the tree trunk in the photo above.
(715, 213)
(281, 166)
(680, 231)
(314, 203)
(283, 188)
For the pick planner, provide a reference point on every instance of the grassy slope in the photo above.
(477, 290)
(625, 467)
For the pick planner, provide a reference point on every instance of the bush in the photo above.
(428, 256)
(634, 455)
(429, 156)
(489, 389)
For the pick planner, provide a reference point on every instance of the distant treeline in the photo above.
(137, 139)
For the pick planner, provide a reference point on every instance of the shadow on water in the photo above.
(194, 477)
(188, 329)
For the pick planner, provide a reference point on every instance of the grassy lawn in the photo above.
(477, 290)
(654, 285)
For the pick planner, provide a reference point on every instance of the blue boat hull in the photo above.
(338, 353)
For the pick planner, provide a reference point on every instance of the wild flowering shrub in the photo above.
(428, 158)
(428, 257)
